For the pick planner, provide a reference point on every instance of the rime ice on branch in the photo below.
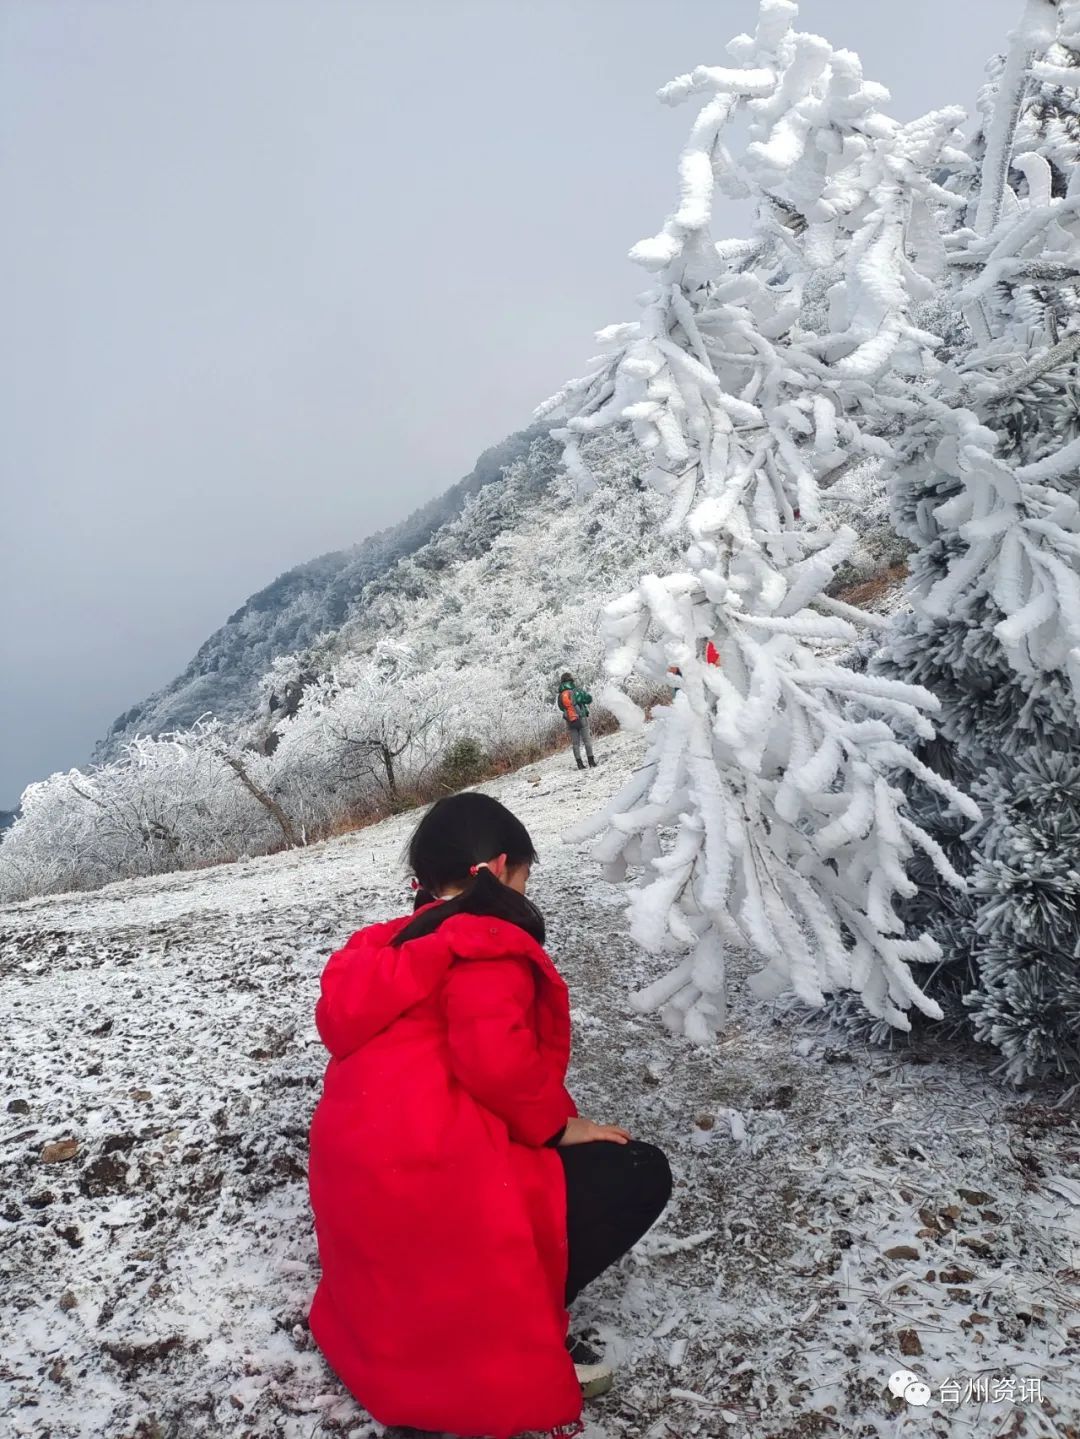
(988, 494)
(1003, 427)
(767, 814)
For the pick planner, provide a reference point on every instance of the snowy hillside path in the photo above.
(839, 1212)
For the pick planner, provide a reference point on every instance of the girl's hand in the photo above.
(584, 1131)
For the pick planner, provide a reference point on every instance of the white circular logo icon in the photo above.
(906, 1385)
(899, 1381)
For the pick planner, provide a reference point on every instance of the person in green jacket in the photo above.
(574, 707)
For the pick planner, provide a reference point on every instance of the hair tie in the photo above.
(474, 869)
(414, 883)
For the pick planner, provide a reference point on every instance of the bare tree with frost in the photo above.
(767, 815)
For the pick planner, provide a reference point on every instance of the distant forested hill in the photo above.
(313, 599)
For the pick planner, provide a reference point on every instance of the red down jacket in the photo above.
(441, 1219)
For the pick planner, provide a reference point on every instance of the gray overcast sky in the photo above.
(273, 272)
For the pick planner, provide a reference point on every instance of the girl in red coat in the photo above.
(460, 1200)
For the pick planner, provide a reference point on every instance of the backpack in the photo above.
(568, 709)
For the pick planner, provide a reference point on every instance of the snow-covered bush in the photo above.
(987, 492)
(461, 764)
(166, 803)
(370, 725)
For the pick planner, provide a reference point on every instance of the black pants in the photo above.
(614, 1193)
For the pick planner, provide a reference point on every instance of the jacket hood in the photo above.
(370, 983)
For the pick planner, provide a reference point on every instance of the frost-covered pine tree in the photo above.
(1024, 927)
(987, 493)
(767, 815)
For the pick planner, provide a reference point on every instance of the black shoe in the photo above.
(581, 764)
(592, 762)
(580, 1348)
(594, 1375)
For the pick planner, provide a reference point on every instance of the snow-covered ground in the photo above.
(839, 1213)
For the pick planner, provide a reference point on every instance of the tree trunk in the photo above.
(388, 765)
(267, 801)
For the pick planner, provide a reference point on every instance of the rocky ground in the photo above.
(839, 1214)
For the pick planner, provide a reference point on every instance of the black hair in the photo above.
(456, 833)
(566, 679)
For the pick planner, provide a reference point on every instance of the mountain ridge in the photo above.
(318, 595)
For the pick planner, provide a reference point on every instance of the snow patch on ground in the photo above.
(838, 1213)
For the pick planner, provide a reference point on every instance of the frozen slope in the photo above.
(155, 1282)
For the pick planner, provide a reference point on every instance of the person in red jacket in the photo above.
(460, 1200)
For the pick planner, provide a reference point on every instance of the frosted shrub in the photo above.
(462, 763)
(168, 802)
(987, 491)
